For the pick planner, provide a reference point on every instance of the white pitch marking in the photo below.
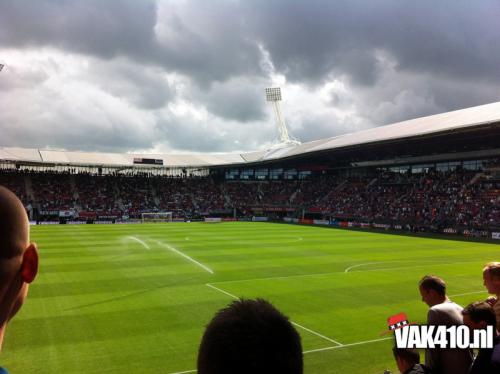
(224, 292)
(343, 272)
(184, 372)
(139, 241)
(317, 334)
(293, 323)
(346, 345)
(175, 250)
(468, 293)
(366, 263)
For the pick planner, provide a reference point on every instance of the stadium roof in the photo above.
(464, 119)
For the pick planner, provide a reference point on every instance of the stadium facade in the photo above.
(450, 159)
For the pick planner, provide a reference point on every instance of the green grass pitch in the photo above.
(125, 298)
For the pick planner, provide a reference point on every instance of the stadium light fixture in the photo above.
(273, 95)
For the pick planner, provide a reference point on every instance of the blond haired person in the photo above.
(491, 277)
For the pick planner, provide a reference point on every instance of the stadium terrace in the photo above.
(439, 173)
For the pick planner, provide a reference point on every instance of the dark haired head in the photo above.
(250, 336)
(410, 356)
(480, 311)
(431, 282)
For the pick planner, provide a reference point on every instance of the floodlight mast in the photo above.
(273, 95)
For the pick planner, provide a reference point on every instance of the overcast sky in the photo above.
(189, 76)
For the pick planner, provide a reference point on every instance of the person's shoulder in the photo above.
(3, 371)
(447, 313)
(447, 306)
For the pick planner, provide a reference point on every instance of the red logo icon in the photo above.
(396, 322)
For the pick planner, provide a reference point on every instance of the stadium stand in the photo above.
(431, 201)
(439, 173)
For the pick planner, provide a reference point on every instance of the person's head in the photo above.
(491, 277)
(406, 358)
(250, 336)
(478, 315)
(18, 257)
(432, 289)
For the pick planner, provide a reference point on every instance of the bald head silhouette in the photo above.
(14, 225)
(18, 257)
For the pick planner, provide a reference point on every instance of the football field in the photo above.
(136, 298)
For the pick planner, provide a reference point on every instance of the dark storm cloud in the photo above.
(102, 28)
(307, 40)
(111, 28)
(395, 60)
(453, 38)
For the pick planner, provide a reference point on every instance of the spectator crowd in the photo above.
(457, 198)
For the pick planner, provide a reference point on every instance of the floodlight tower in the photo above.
(1, 66)
(273, 95)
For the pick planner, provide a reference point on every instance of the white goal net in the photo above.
(156, 217)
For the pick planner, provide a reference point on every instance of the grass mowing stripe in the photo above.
(104, 304)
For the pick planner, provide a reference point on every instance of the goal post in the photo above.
(156, 217)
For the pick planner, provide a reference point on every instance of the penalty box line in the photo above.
(293, 323)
